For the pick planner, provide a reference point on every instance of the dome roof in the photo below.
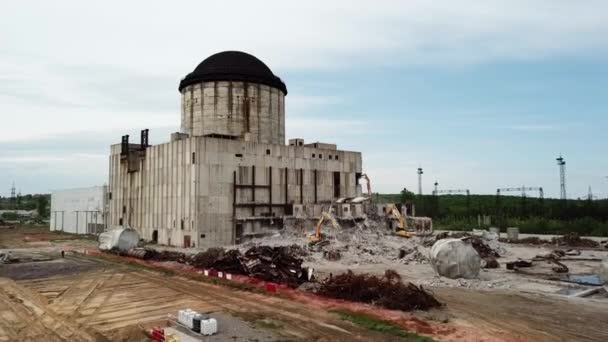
(233, 66)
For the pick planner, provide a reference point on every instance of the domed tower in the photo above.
(234, 95)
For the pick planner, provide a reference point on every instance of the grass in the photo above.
(378, 325)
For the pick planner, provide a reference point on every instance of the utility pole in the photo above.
(13, 192)
(420, 181)
(561, 162)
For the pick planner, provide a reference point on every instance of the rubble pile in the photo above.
(487, 253)
(387, 291)
(276, 264)
(531, 240)
(574, 240)
(280, 264)
(207, 258)
(166, 256)
(7, 258)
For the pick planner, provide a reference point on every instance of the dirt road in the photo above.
(528, 317)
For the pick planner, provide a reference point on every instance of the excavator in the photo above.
(325, 216)
(402, 224)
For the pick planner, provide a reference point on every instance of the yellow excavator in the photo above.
(325, 216)
(402, 224)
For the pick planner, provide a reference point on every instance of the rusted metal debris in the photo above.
(531, 240)
(513, 265)
(486, 252)
(387, 291)
(332, 255)
(277, 264)
(574, 240)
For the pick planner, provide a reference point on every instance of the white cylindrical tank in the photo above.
(454, 258)
(122, 239)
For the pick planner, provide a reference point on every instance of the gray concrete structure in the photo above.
(228, 175)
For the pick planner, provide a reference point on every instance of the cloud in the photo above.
(74, 76)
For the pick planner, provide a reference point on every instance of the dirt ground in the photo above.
(85, 298)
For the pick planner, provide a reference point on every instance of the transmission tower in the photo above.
(420, 181)
(562, 176)
(523, 189)
(13, 192)
(590, 194)
(457, 191)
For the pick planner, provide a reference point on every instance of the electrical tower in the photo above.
(420, 181)
(13, 192)
(458, 191)
(590, 194)
(562, 176)
(523, 189)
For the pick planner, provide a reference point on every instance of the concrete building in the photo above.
(79, 211)
(228, 175)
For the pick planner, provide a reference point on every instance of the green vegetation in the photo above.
(39, 202)
(381, 326)
(530, 214)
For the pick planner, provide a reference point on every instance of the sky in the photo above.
(480, 94)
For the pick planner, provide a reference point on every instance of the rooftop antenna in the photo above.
(562, 176)
(420, 180)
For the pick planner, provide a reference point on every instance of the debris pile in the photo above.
(166, 256)
(7, 258)
(574, 240)
(277, 264)
(387, 291)
(486, 253)
(207, 258)
(332, 255)
(531, 240)
(514, 265)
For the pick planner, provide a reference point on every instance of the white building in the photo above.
(79, 211)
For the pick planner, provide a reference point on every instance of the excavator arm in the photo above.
(326, 215)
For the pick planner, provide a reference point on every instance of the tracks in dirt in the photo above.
(95, 305)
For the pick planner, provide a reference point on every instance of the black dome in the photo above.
(233, 66)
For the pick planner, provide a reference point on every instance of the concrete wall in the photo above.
(78, 211)
(251, 111)
(185, 187)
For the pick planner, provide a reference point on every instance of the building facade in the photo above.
(80, 210)
(228, 175)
